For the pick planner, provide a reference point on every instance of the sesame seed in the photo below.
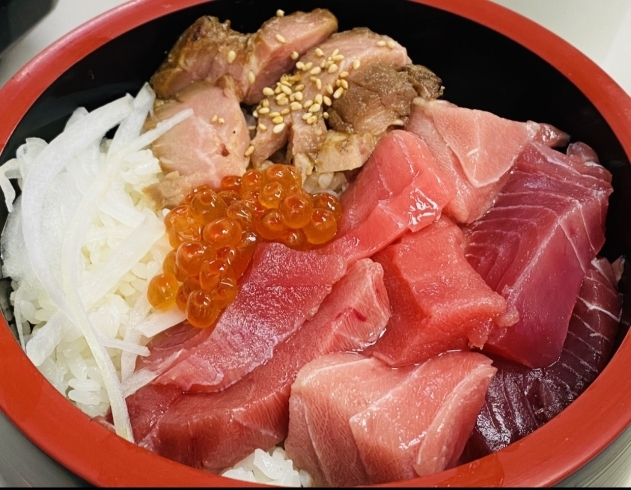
(249, 151)
(283, 101)
(344, 74)
(298, 96)
(307, 104)
(286, 90)
(306, 116)
(333, 68)
(274, 114)
(335, 53)
(329, 89)
(255, 114)
(285, 83)
(316, 70)
(338, 82)
(262, 127)
(314, 108)
(312, 119)
(300, 65)
(325, 115)
(214, 119)
(344, 84)
(339, 57)
(295, 78)
(222, 120)
(390, 44)
(322, 63)
(381, 44)
(292, 97)
(268, 91)
(356, 63)
(318, 84)
(278, 119)
(278, 128)
(294, 55)
(281, 95)
(398, 122)
(264, 110)
(280, 39)
(285, 111)
(327, 100)
(231, 56)
(280, 13)
(295, 106)
(265, 103)
(319, 53)
(277, 89)
(300, 88)
(308, 66)
(338, 93)
(318, 99)
(251, 77)
(251, 128)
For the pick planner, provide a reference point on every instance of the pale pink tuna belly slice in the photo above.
(439, 302)
(215, 430)
(536, 243)
(326, 394)
(354, 420)
(282, 290)
(399, 189)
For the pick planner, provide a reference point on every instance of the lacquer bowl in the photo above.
(488, 58)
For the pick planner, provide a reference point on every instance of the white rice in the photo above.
(271, 467)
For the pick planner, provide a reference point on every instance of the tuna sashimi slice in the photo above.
(282, 289)
(439, 302)
(536, 243)
(354, 420)
(520, 400)
(215, 430)
(400, 188)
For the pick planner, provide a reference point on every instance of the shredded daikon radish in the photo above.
(83, 258)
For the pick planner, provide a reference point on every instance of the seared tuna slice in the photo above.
(209, 49)
(521, 400)
(213, 431)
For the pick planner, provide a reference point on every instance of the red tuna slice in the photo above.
(282, 289)
(383, 424)
(520, 400)
(439, 302)
(473, 136)
(333, 388)
(536, 243)
(215, 430)
(468, 202)
(399, 189)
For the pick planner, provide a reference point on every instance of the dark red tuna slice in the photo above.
(439, 302)
(536, 243)
(520, 399)
(216, 430)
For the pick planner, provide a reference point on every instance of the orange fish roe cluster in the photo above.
(214, 235)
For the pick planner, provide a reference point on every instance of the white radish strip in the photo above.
(160, 321)
(10, 167)
(131, 127)
(137, 314)
(72, 265)
(118, 205)
(101, 234)
(124, 257)
(137, 380)
(121, 345)
(44, 342)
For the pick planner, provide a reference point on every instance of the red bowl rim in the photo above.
(545, 457)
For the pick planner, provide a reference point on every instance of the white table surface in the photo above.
(600, 29)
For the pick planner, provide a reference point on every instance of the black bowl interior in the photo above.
(480, 69)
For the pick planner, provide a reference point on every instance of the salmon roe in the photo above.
(214, 235)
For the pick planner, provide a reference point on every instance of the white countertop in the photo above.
(602, 33)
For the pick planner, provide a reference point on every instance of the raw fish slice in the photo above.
(282, 289)
(216, 430)
(520, 400)
(551, 136)
(399, 189)
(439, 302)
(473, 136)
(325, 396)
(444, 395)
(565, 233)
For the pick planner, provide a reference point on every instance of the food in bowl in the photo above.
(400, 141)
